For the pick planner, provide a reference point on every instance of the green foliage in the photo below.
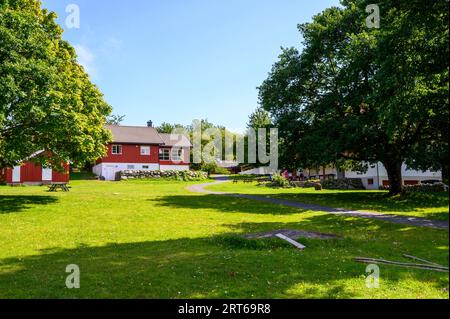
(115, 119)
(259, 119)
(168, 128)
(204, 125)
(213, 168)
(47, 101)
(357, 94)
(279, 181)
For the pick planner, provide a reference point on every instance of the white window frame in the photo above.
(178, 156)
(119, 147)
(164, 151)
(145, 147)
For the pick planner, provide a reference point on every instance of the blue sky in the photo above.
(179, 60)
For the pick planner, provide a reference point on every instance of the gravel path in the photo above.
(397, 219)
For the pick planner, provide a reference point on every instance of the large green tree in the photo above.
(357, 94)
(47, 101)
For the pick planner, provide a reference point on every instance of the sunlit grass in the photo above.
(155, 239)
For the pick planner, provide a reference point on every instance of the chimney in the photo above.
(150, 124)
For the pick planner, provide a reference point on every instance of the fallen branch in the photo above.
(422, 260)
(400, 264)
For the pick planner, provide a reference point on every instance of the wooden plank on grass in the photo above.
(291, 241)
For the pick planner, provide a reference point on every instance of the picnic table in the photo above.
(55, 186)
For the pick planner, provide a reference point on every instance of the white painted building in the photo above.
(377, 176)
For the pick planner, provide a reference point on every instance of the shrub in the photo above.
(213, 168)
(279, 181)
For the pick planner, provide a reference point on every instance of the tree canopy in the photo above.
(355, 94)
(47, 101)
(115, 119)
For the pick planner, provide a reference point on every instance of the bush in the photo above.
(279, 181)
(221, 170)
(213, 168)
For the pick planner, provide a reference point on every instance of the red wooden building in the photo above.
(30, 173)
(143, 148)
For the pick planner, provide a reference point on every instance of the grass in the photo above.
(428, 205)
(155, 239)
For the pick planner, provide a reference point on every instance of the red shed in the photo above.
(33, 174)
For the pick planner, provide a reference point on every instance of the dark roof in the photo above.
(146, 135)
(179, 140)
(135, 134)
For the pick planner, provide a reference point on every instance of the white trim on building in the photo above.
(174, 167)
(108, 171)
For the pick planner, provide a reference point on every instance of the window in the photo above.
(117, 149)
(130, 166)
(164, 154)
(145, 150)
(177, 155)
(145, 167)
(370, 181)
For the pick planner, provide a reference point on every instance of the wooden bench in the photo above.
(55, 186)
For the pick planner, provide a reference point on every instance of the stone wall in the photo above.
(304, 184)
(179, 175)
(343, 183)
(425, 188)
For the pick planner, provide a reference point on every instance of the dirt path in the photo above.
(397, 219)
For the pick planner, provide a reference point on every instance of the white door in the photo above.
(16, 174)
(46, 174)
(109, 173)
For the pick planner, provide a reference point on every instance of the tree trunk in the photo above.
(394, 171)
(445, 172)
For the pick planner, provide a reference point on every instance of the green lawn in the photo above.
(429, 205)
(157, 240)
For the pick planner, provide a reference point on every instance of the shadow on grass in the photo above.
(18, 203)
(224, 204)
(215, 267)
(373, 200)
(267, 206)
(82, 176)
(367, 201)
